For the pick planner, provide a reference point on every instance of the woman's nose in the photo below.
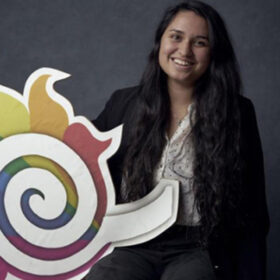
(185, 49)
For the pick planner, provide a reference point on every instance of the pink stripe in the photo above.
(3, 269)
(64, 276)
(47, 253)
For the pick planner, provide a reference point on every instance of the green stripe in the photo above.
(15, 166)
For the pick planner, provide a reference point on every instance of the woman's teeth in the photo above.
(182, 62)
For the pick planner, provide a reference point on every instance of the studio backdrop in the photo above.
(104, 46)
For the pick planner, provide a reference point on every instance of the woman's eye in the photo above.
(175, 37)
(200, 43)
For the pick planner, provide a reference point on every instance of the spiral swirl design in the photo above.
(38, 226)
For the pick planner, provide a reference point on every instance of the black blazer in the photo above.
(235, 255)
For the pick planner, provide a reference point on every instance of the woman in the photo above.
(188, 121)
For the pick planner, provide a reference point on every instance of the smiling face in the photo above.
(184, 52)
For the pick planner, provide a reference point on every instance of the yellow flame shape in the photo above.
(14, 117)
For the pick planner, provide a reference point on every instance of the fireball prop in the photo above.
(58, 214)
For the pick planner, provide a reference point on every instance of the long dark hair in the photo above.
(215, 132)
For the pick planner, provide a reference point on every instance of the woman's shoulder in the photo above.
(247, 109)
(120, 105)
(124, 95)
(244, 102)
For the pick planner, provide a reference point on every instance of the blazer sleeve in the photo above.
(118, 109)
(251, 259)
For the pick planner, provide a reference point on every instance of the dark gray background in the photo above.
(104, 46)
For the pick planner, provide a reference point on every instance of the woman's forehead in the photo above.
(188, 22)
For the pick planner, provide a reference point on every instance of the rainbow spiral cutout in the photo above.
(54, 183)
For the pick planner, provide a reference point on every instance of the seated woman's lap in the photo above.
(144, 264)
(193, 265)
(123, 264)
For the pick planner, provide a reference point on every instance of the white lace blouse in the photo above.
(177, 163)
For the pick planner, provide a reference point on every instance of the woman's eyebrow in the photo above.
(176, 30)
(202, 37)
(182, 32)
